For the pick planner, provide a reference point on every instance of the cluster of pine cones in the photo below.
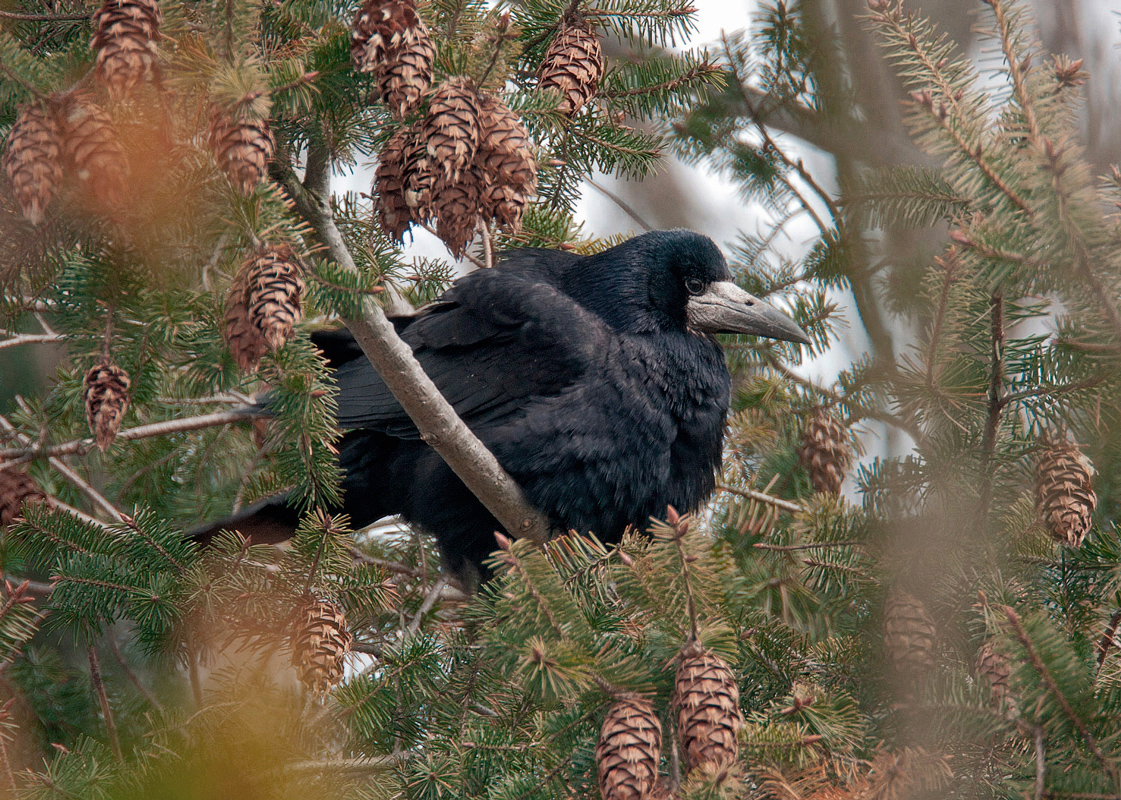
(709, 720)
(468, 160)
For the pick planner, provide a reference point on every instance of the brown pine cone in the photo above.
(451, 129)
(33, 159)
(389, 39)
(824, 452)
(708, 702)
(457, 209)
(17, 490)
(94, 153)
(628, 751)
(106, 400)
(506, 204)
(389, 183)
(1064, 495)
(125, 36)
(319, 643)
(263, 305)
(909, 634)
(421, 179)
(993, 669)
(242, 145)
(572, 66)
(505, 151)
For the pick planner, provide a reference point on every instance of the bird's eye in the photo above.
(694, 285)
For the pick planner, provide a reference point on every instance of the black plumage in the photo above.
(596, 381)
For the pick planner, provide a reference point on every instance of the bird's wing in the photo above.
(493, 343)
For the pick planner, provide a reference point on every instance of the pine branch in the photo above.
(762, 497)
(16, 339)
(1016, 71)
(1053, 689)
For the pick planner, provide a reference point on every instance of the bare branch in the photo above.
(19, 455)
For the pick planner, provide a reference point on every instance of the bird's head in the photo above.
(687, 285)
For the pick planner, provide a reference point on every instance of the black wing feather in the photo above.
(494, 340)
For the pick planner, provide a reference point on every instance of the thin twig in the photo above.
(1040, 761)
(65, 471)
(73, 16)
(132, 677)
(762, 497)
(789, 548)
(106, 711)
(626, 207)
(16, 339)
(17, 455)
(1109, 638)
(429, 601)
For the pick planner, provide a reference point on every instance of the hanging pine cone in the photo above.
(451, 129)
(17, 490)
(125, 36)
(389, 183)
(389, 39)
(421, 178)
(457, 211)
(824, 452)
(106, 399)
(94, 154)
(505, 150)
(505, 161)
(242, 146)
(993, 669)
(572, 66)
(708, 702)
(33, 160)
(319, 644)
(506, 204)
(263, 305)
(908, 634)
(1064, 496)
(628, 751)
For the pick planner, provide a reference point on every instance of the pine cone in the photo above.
(125, 36)
(457, 209)
(572, 66)
(17, 490)
(389, 183)
(319, 644)
(908, 634)
(106, 399)
(629, 748)
(824, 452)
(505, 160)
(505, 150)
(33, 161)
(242, 146)
(389, 39)
(451, 129)
(421, 178)
(993, 669)
(263, 305)
(1063, 492)
(94, 153)
(708, 702)
(506, 204)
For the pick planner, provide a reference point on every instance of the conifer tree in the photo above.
(942, 622)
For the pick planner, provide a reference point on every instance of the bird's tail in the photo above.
(267, 522)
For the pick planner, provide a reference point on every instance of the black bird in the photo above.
(596, 381)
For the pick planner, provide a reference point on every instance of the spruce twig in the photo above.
(1053, 689)
(680, 525)
(103, 699)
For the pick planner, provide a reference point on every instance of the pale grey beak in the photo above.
(726, 308)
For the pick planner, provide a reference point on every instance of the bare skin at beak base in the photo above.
(726, 308)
